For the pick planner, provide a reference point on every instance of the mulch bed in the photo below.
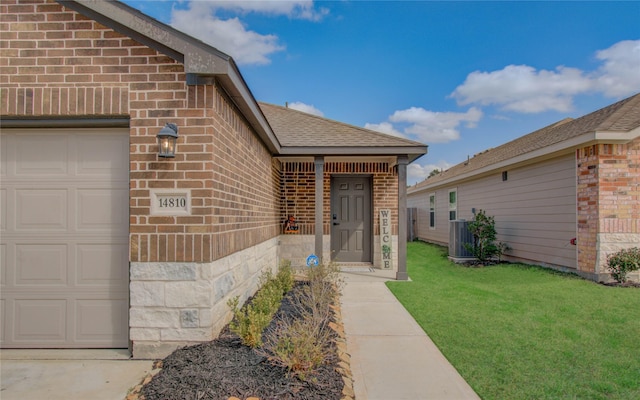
(226, 368)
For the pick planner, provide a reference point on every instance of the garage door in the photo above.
(64, 238)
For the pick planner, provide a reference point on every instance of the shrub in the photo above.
(502, 248)
(248, 323)
(299, 345)
(285, 276)
(483, 229)
(251, 320)
(302, 344)
(623, 262)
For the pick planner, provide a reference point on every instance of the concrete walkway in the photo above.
(391, 356)
(69, 374)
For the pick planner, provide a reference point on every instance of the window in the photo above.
(432, 211)
(453, 204)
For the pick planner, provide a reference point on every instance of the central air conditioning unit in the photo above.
(458, 235)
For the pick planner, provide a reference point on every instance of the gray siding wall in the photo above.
(534, 209)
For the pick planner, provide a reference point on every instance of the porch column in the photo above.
(319, 166)
(402, 162)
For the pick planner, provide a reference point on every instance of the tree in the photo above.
(435, 171)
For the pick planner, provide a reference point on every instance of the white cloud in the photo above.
(299, 9)
(417, 173)
(620, 74)
(522, 88)
(307, 108)
(384, 127)
(429, 126)
(229, 36)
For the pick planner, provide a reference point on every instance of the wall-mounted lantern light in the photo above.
(167, 138)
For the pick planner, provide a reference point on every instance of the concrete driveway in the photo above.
(69, 374)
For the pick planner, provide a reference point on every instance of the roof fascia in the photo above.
(617, 137)
(351, 158)
(412, 152)
(201, 61)
(557, 149)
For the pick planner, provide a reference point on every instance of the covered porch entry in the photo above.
(337, 204)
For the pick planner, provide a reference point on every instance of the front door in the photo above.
(351, 219)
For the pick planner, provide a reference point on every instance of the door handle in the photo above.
(336, 223)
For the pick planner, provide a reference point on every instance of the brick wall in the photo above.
(587, 203)
(608, 203)
(56, 62)
(298, 199)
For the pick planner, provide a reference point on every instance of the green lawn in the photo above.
(520, 332)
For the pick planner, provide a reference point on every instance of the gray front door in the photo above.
(351, 219)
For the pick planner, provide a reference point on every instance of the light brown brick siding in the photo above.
(608, 201)
(56, 62)
(298, 193)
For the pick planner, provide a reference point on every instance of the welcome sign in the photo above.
(385, 238)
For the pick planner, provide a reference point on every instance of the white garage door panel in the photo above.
(41, 264)
(102, 210)
(3, 268)
(40, 155)
(40, 320)
(102, 265)
(93, 324)
(2, 314)
(112, 160)
(3, 209)
(41, 209)
(64, 245)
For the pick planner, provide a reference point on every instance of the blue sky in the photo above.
(461, 77)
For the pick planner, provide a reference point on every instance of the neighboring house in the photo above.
(565, 196)
(106, 244)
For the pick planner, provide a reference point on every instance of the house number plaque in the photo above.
(171, 202)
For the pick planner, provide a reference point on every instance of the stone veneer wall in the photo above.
(176, 304)
(298, 200)
(608, 204)
(56, 63)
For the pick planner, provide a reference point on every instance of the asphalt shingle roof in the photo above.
(622, 116)
(298, 129)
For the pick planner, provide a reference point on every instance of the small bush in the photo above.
(302, 345)
(248, 323)
(251, 320)
(623, 262)
(299, 345)
(285, 276)
(484, 247)
(484, 235)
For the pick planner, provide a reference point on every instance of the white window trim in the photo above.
(432, 210)
(453, 207)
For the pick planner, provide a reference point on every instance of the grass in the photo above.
(521, 332)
